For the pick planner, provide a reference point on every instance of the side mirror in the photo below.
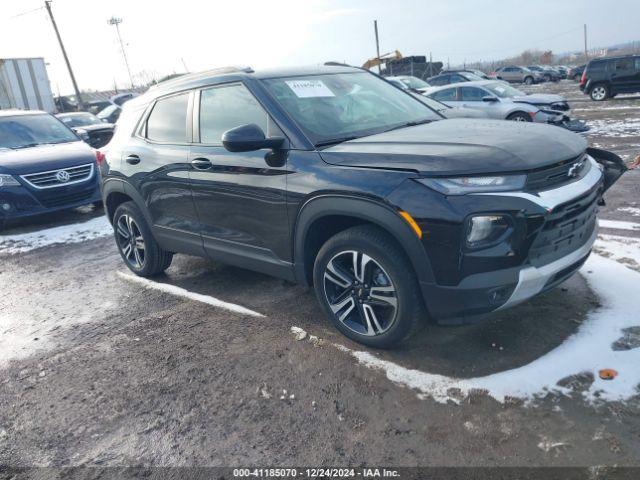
(489, 99)
(249, 138)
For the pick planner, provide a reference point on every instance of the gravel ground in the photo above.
(97, 369)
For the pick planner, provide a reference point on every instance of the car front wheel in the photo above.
(520, 117)
(136, 244)
(528, 81)
(366, 287)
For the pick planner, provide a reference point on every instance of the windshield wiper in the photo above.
(26, 145)
(335, 141)
(410, 124)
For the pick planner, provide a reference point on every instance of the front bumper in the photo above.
(558, 249)
(23, 201)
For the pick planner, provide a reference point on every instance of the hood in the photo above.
(45, 157)
(460, 146)
(539, 98)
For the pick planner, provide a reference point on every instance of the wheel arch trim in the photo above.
(371, 211)
(117, 186)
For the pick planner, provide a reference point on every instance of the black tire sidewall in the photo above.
(402, 278)
(151, 246)
(514, 115)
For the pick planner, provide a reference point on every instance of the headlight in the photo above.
(464, 185)
(486, 229)
(8, 181)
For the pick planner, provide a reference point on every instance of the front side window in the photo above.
(23, 131)
(332, 107)
(447, 95)
(168, 120)
(227, 107)
(472, 94)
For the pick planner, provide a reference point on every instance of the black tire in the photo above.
(153, 259)
(387, 265)
(528, 80)
(599, 92)
(520, 117)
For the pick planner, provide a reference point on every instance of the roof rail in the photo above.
(204, 74)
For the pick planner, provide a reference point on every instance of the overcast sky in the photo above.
(162, 36)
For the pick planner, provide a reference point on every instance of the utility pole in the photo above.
(586, 55)
(375, 27)
(79, 101)
(117, 21)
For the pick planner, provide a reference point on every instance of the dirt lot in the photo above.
(99, 368)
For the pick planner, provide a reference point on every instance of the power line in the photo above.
(23, 13)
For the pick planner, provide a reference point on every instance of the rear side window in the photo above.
(439, 81)
(448, 95)
(224, 108)
(455, 78)
(168, 120)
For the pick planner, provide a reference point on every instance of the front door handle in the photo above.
(133, 159)
(201, 164)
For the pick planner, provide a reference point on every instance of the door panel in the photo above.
(241, 204)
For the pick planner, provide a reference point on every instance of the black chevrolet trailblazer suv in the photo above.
(331, 176)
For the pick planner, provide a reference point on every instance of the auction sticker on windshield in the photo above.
(309, 88)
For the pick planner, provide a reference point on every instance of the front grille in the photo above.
(60, 178)
(557, 174)
(69, 198)
(566, 229)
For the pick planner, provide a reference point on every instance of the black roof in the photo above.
(194, 80)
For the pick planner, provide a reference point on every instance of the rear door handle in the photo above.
(201, 164)
(133, 159)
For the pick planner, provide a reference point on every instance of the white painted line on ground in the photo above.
(74, 233)
(588, 350)
(619, 225)
(181, 292)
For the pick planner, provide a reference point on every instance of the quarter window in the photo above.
(168, 120)
(227, 107)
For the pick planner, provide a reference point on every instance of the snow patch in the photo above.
(622, 249)
(74, 233)
(628, 127)
(632, 210)
(181, 292)
(619, 225)
(588, 350)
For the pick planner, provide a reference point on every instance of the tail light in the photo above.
(583, 79)
(100, 157)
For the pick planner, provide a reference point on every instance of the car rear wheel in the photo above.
(599, 92)
(520, 117)
(136, 244)
(366, 287)
(528, 80)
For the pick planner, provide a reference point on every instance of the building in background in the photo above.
(24, 84)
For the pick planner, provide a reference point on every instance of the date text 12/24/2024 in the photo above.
(315, 472)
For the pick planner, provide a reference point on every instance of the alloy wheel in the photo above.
(130, 241)
(598, 93)
(360, 293)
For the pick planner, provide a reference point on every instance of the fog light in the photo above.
(485, 229)
(6, 207)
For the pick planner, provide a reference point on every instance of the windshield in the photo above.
(80, 119)
(108, 111)
(472, 77)
(414, 82)
(22, 131)
(336, 107)
(503, 90)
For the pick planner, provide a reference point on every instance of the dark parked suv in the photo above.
(607, 77)
(332, 177)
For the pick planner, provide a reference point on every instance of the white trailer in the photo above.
(24, 84)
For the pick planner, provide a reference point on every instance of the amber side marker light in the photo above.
(412, 223)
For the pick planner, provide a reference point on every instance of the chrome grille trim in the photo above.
(44, 180)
